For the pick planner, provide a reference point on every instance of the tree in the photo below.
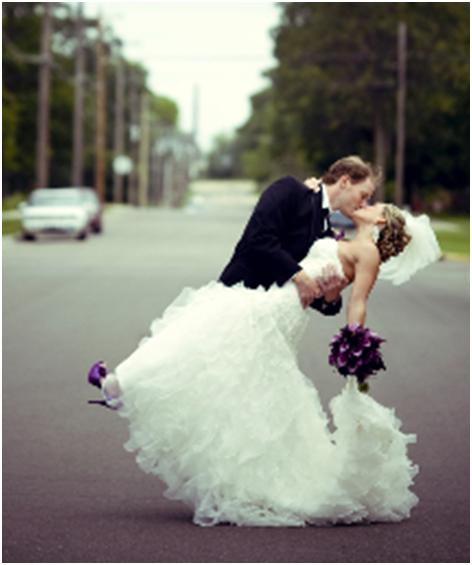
(21, 24)
(164, 110)
(333, 89)
(224, 159)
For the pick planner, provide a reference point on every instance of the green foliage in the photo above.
(11, 202)
(21, 26)
(61, 128)
(224, 159)
(10, 119)
(454, 237)
(336, 73)
(20, 29)
(164, 110)
(10, 227)
(256, 139)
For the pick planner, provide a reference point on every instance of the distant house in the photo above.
(174, 159)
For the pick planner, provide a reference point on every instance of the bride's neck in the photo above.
(363, 232)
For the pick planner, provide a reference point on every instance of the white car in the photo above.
(74, 211)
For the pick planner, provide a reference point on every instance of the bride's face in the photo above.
(370, 214)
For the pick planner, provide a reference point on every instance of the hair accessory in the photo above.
(421, 251)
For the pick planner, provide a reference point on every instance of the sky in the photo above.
(217, 50)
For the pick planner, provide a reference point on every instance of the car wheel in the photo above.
(28, 236)
(97, 226)
(81, 236)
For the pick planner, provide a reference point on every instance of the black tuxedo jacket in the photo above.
(283, 226)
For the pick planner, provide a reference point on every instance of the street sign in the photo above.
(122, 165)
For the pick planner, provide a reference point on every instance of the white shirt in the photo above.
(325, 204)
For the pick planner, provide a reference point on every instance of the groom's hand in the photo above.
(308, 288)
(312, 182)
(330, 281)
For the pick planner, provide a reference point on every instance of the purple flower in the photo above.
(342, 360)
(355, 350)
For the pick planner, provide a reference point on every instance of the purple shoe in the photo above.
(97, 372)
(111, 403)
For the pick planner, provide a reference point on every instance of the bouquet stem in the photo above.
(363, 387)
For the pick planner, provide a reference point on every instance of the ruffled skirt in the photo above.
(219, 410)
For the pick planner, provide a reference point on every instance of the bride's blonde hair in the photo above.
(393, 237)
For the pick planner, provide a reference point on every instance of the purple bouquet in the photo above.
(355, 350)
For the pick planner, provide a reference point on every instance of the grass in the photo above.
(10, 227)
(455, 244)
(11, 202)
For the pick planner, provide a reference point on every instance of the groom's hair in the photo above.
(353, 166)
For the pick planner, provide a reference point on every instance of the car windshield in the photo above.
(58, 199)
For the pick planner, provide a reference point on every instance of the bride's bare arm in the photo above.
(366, 271)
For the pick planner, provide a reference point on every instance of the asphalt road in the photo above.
(70, 491)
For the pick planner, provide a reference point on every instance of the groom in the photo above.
(287, 219)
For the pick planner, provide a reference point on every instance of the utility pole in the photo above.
(380, 142)
(42, 141)
(100, 140)
(154, 164)
(401, 99)
(168, 179)
(195, 112)
(119, 137)
(78, 125)
(135, 134)
(143, 187)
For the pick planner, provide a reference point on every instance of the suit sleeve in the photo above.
(270, 220)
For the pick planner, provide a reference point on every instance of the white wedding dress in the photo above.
(220, 411)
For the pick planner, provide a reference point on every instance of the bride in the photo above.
(219, 410)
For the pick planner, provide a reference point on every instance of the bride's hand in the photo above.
(330, 282)
(312, 182)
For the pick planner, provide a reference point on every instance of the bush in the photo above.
(11, 202)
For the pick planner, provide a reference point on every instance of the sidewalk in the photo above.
(439, 225)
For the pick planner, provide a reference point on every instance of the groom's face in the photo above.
(354, 196)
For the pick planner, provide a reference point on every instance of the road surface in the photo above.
(70, 491)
